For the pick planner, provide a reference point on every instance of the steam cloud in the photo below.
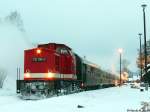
(13, 43)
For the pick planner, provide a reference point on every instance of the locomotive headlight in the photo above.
(50, 75)
(27, 75)
(38, 51)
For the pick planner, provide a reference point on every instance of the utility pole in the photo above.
(145, 49)
(140, 34)
(120, 50)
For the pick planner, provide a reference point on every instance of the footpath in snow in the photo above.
(116, 99)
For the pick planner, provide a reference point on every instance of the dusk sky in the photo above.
(92, 28)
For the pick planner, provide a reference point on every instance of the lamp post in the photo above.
(140, 34)
(145, 50)
(120, 50)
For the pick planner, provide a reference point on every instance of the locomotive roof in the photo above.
(55, 44)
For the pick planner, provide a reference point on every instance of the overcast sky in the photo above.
(94, 28)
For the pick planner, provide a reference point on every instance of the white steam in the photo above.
(12, 46)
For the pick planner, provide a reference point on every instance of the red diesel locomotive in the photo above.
(49, 62)
(54, 68)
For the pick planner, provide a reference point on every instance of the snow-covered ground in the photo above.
(116, 99)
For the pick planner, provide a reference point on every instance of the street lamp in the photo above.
(140, 34)
(145, 50)
(120, 50)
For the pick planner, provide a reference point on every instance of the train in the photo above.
(53, 69)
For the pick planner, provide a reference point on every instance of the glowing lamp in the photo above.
(38, 51)
(120, 50)
(27, 75)
(50, 75)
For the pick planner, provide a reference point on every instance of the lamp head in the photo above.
(140, 34)
(120, 50)
(143, 5)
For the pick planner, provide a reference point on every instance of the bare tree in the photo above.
(3, 75)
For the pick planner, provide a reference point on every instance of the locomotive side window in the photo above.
(38, 59)
(62, 50)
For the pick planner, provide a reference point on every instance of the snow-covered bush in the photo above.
(3, 75)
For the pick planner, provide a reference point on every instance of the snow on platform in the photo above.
(116, 99)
